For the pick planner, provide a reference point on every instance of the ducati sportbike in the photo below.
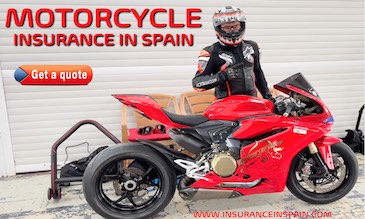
(243, 145)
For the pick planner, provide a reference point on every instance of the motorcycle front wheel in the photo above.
(304, 182)
(129, 181)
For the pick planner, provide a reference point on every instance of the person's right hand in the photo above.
(232, 73)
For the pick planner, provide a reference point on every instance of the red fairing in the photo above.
(269, 158)
(260, 125)
(147, 106)
(239, 106)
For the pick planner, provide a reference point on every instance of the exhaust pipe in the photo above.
(194, 194)
(203, 194)
(244, 185)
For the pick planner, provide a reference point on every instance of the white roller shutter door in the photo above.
(322, 39)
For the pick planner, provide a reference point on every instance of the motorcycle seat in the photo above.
(188, 120)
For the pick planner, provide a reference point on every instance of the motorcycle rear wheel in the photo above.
(135, 190)
(342, 179)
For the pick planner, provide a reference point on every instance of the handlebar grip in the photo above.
(288, 110)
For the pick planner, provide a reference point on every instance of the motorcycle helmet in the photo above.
(229, 14)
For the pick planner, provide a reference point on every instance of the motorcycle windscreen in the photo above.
(298, 81)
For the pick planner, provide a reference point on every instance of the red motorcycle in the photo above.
(244, 145)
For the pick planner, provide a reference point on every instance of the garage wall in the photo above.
(322, 39)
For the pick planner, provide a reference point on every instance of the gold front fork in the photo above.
(323, 167)
(312, 148)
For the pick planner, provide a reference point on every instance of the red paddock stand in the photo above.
(55, 190)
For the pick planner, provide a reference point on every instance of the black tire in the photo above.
(98, 166)
(350, 176)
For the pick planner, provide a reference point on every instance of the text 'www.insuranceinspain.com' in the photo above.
(262, 214)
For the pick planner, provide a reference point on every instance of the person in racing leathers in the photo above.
(231, 65)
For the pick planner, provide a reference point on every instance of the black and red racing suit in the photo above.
(215, 58)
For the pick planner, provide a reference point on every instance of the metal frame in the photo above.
(55, 190)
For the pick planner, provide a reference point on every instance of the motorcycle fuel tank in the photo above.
(238, 106)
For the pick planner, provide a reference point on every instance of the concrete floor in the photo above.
(25, 196)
